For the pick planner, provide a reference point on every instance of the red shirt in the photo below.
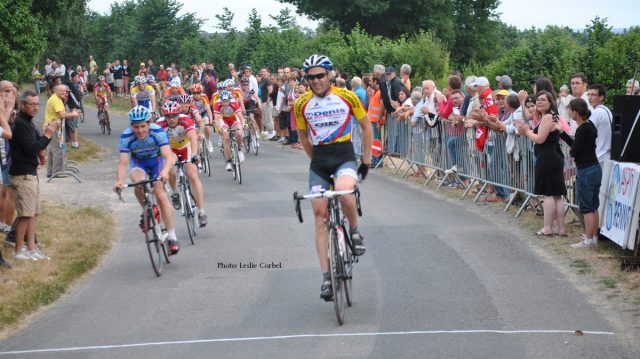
(228, 113)
(162, 75)
(492, 109)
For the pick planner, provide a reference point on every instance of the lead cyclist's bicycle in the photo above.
(341, 248)
(154, 235)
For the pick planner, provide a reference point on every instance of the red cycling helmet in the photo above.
(196, 88)
(171, 108)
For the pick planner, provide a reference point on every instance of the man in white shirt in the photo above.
(601, 118)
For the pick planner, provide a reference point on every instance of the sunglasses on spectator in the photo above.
(316, 76)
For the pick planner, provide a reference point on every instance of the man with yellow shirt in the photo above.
(323, 116)
(56, 111)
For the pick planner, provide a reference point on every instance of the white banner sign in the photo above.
(619, 211)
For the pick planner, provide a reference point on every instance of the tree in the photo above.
(65, 28)
(22, 42)
(225, 20)
(284, 20)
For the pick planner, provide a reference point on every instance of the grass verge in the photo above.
(88, 151)
(75, 249)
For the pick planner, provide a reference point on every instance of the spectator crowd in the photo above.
(471, 129)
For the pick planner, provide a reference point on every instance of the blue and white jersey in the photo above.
(143, 149)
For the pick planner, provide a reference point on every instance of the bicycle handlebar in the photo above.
(326, 194)
(140, 183)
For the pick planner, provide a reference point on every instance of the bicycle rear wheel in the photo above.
(336, 270)
(152, 235)
(189, 213)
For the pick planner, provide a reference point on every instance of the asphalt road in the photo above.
(437, 281)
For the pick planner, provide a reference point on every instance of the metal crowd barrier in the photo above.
(506, 163)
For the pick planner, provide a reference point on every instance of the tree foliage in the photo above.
(464, 26)
(22, 42)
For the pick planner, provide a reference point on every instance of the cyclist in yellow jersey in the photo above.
(323, 116)
(143, 94)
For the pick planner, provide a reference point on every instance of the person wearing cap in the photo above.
(253, 82)
(497, 128)
(487, 107)
(142, 71)
(505, 83)
(390, 87)
(55, 110)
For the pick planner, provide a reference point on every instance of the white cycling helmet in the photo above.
(151, 78)
(317, 61)
(174, 83)
(140, 80)
(226, 95)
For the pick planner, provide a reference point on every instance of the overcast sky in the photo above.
(522, 14)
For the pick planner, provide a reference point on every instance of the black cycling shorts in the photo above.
(337, 159)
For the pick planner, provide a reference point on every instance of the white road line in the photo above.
(299, 336)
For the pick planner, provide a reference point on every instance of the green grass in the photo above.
(74, 250)
(583, 266)
(88, 151)
(609, 282)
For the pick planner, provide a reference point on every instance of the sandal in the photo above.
(541, 233)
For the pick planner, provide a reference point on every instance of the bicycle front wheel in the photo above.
(152, 235)
(189, 213)
(108, 123)
(336, 270)
(204, 158)
(237, 172)
(348, 260)
(247, 142)
(101, 122)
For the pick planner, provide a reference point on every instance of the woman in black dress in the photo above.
(549, 176)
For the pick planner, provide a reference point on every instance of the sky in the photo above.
(522, 14)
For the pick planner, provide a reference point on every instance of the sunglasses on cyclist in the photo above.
(316, 76)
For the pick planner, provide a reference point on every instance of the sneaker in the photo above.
(274, 138)
(209, 147)
(228, 167)
(241, 156)
(5, 228)
(286, 142)
(39, 256)
(358, 245)
(174, 246)
(281, 140)
(75, 145)
(24, 254)
(202, 219)
(175, 200)
(326, 292)
(585, 243)
(271, 135)
(451, 170)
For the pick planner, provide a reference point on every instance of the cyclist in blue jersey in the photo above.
(145, 152)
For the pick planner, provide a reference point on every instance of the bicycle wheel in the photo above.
(107, 123)
(101, 122)
(247, 142)
(236, 168)
(189, 213)
(204, 158)
(348, 260)
(152, 235)
(336, 270)
(254, 145)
